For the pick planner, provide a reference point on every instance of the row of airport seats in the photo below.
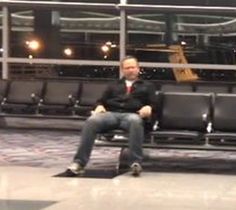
(52, 97)
(201, 118)
(198, 87)
(73, 97)
(195, 119)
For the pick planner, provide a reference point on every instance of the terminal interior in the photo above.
(56, 58)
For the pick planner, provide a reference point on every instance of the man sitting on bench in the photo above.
(124, 105)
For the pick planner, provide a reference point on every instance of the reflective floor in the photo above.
(27, 188)
(182, 180)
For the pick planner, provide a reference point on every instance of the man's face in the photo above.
(130, 69)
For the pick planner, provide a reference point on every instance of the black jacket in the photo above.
(116, 99)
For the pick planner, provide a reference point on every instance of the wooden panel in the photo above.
(177, 56)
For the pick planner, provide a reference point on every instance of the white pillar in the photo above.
(5, 41)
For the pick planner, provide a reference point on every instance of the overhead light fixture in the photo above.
(33, 44)
(68, 51)
(105, 48)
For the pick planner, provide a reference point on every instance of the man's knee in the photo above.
(93, 120)
(135, 119)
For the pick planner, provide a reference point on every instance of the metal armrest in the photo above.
(3, 101)
(206, 119)
(76, 104)
(71, 99)
(155, 125)
(34, 97)
(40, 102)
(209, 127)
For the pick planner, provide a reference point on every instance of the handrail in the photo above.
(129, 7)
(179, 9)
(57, 4)
(116, 63)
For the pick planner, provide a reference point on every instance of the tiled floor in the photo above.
(163, 191)
(30, 159)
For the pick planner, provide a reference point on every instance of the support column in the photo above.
(5, 41)
(170, 36)
(123, 32)
(47, 30)
(56, 50)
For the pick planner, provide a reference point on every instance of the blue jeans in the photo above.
(130, 122)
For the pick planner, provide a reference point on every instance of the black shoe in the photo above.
(136, 169)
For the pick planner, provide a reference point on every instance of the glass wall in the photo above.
(71, 39)
(209, 39)
(69, 34)
(186, 38)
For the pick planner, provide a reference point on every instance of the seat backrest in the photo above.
(200, 88)
(183, 87)
(185, 110)
(224, 114)
(91, 91)
(3, 89)
(59, 92)
(233, 90)
(20, 91)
